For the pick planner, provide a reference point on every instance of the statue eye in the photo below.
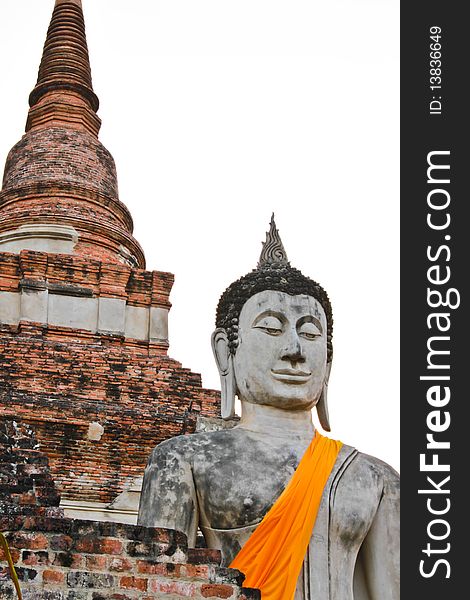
(272, 330)
(309, 331)
(270, 325)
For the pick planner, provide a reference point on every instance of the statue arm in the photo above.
(380, 551)
(168, 494)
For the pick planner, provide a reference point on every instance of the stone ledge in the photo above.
(43, 237)
(67, 291)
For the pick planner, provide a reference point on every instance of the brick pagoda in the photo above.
(83, 325)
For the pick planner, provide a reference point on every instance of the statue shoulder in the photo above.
(183, 448)
(372, 469)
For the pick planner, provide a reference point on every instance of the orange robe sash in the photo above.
(272, 557)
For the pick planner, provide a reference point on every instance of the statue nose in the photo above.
(293, 350)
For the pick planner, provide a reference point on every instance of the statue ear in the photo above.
(224, 361)
(322, 404)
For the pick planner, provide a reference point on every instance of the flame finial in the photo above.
(273, 251)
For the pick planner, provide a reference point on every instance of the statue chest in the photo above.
(238, 481)
(236, 488)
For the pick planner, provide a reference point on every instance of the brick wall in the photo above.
(59, 379)
(26, 484)
(64, 385)
(66, 559)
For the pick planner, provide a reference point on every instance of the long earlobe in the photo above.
(224, 361)
(322, 404)
(227, 396)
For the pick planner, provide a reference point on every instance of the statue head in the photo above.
(273, 341)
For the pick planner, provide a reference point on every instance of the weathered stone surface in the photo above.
(112, 315)
(34, 305)
(10, 303)
(42, 237)
(137, 323)
(158, 324)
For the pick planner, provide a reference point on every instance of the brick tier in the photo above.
(65, 379)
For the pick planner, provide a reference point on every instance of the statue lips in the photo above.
(294, 376)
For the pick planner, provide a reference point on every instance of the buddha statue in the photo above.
(273, 348)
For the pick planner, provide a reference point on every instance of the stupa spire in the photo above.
(63, 94)
(60, 190)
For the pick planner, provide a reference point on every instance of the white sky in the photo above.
(219, 112)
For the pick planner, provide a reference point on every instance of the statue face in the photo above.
(281, 355)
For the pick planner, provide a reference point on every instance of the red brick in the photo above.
(110, 546)
(194, 571)
(29, 541)
(213, 590)
(135, 583)
(69, 559)
(35, 558)
(15, 555)
(182, 588)
(61, 542)
(53, 577)
(92, 545)
(28, 498)
(173, 570)
(152, 568)
(96, 563)
(120, 565)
